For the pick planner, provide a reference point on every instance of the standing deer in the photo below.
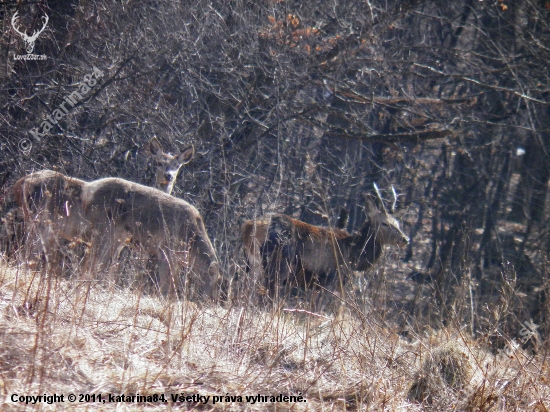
(291, 253)
(123, 212)
(167, 170)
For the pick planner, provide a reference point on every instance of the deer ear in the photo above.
(187, 154)
(154, 146)
(370, 206)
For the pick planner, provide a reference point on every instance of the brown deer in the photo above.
(167, 170)
(291, 253)
(52, 209)
(53, 199)
(112, 213)
(122, 212)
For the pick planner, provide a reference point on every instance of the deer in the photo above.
(121, 212)
(51, 205)
(287, 252)
(167, 170)
(29, 40)
(57, 203)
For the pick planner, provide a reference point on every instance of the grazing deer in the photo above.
(293, 253)
(168, 165)
(112, 213)
(51, 204)
(123, 212)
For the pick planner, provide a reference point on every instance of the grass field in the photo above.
(75, 336)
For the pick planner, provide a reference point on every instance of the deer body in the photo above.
(112, 213)
(290, 252)
(123, 212)
(300, 253)
(53, 202)
(261, 238)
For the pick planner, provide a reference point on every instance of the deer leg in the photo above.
(205, 269)
(105, 249)
(255, 272)
(271, 262)
(46, 244)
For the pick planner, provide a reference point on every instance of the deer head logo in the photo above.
(29, 40)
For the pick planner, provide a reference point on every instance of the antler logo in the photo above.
(29, 40)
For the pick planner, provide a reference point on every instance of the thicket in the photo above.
(299, 107)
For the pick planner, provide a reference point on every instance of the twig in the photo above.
(307, 312)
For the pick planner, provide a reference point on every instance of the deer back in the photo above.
(150, 218)
(314, 248)
(143, 211)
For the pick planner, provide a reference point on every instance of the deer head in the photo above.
(168, 165)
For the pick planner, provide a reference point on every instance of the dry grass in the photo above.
(87, 337)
